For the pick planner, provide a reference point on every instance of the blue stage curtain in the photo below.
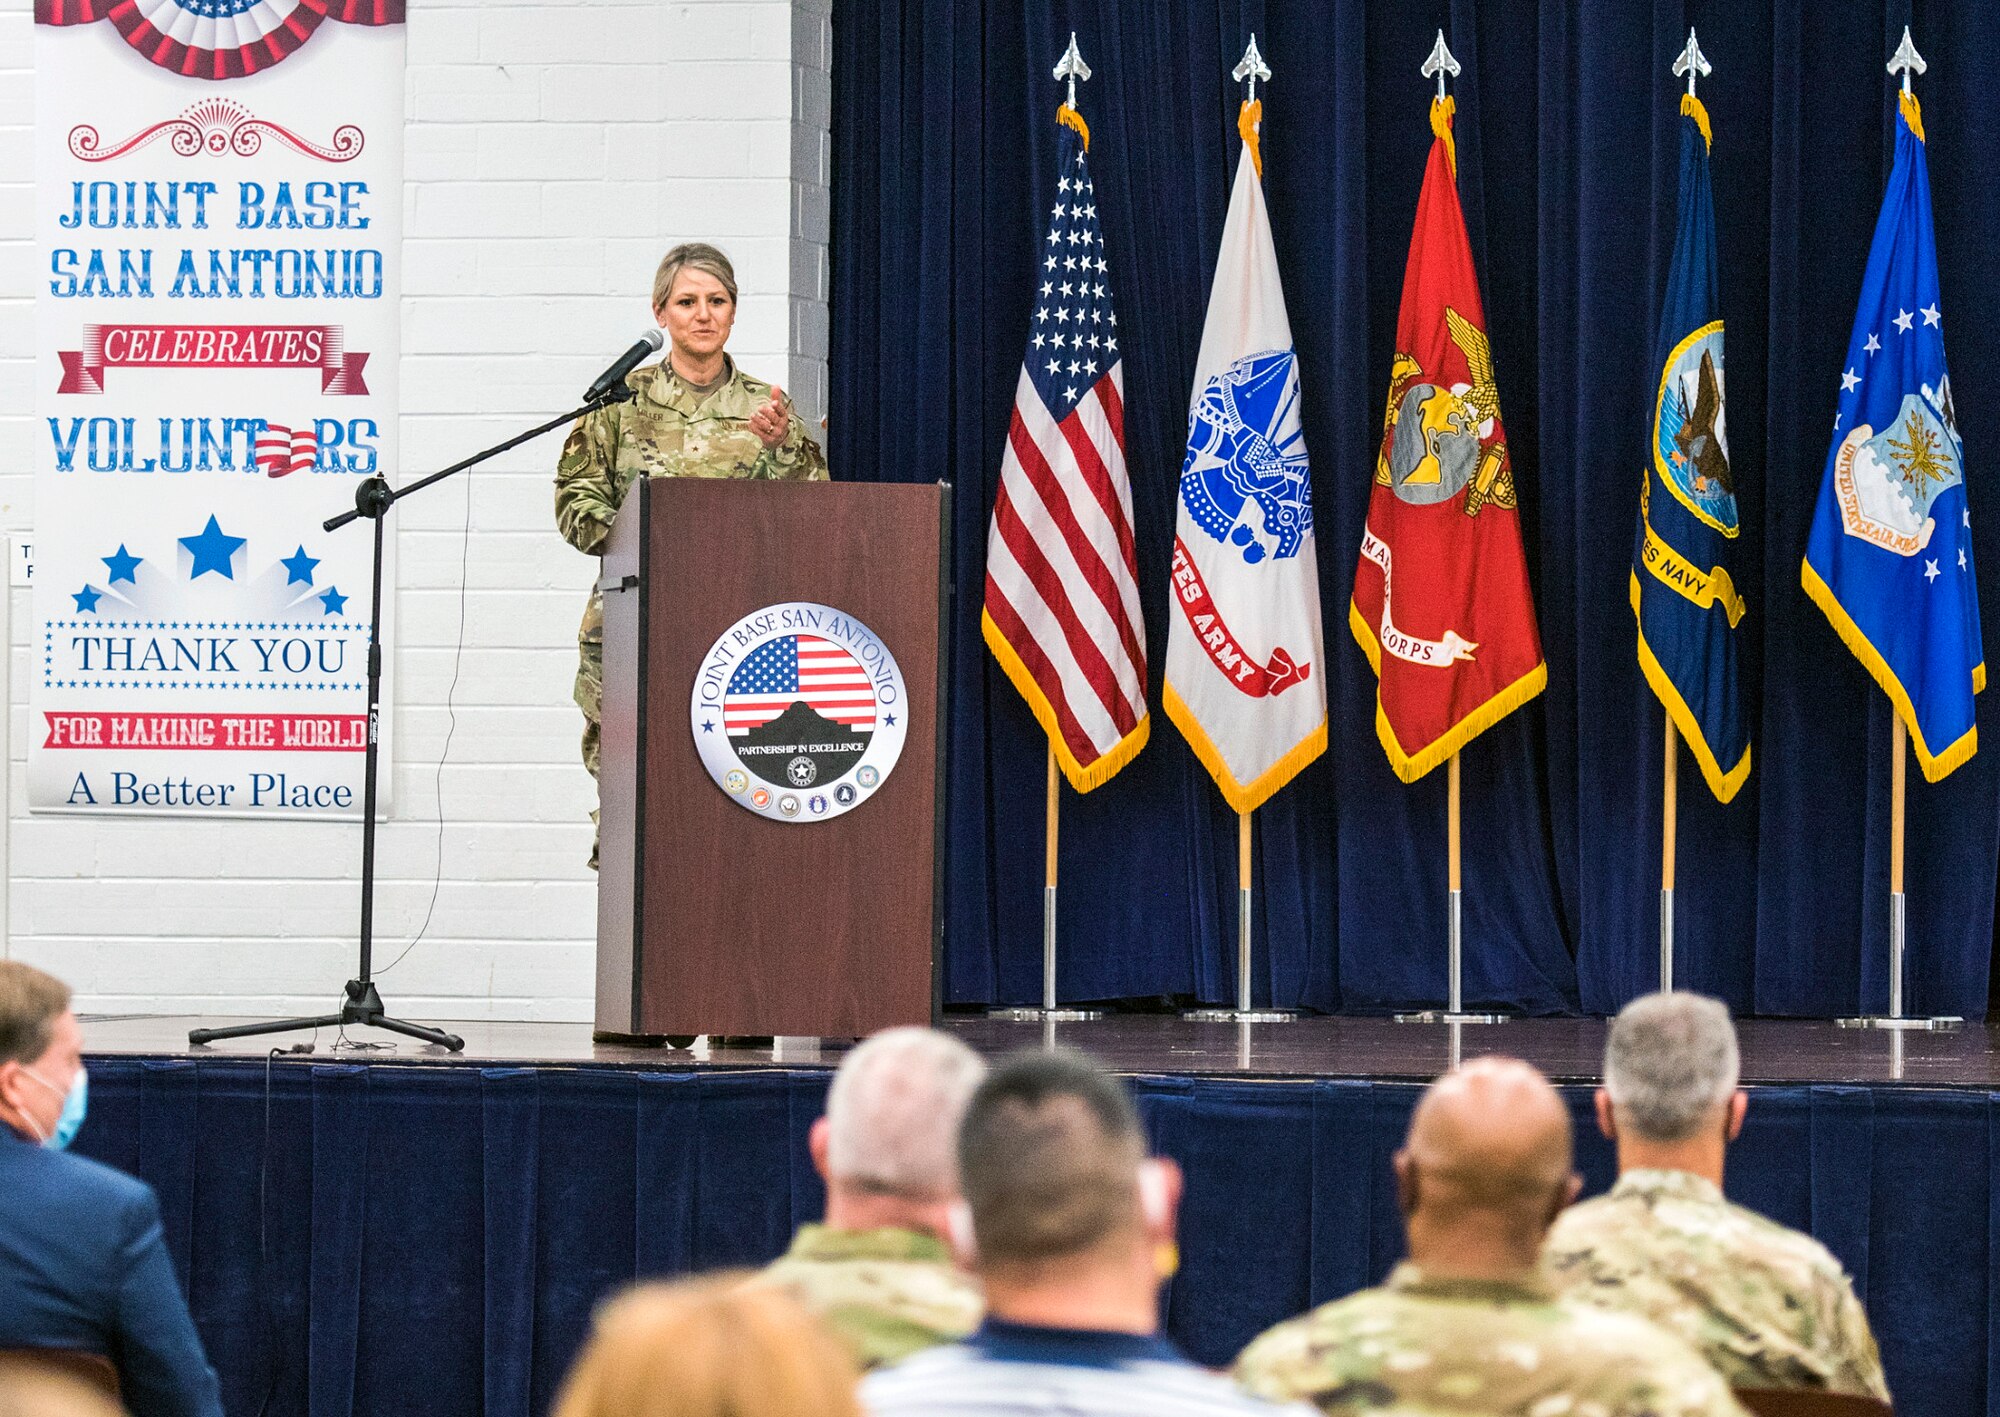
(366, 1240)
(1567, 137)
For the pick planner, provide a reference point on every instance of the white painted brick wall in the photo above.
(812, 201)
(555, 149)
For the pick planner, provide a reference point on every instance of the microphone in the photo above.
(647, 343)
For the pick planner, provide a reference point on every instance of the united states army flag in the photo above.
(1245, 678)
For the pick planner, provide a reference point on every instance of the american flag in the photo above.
(1062, 594)
(282, 451)
(798, 669)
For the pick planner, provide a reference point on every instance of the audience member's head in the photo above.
(42, 1082)
(886, 1146)
(709, 1347)
(1485, 1170)
(30, 1388)
(1670, 1098)
(1071, 1223)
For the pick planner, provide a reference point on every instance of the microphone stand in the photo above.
(363, 1002)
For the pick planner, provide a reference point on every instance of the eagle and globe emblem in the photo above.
(1443, 439)
(799, 712)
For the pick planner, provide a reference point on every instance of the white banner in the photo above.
(216, 355)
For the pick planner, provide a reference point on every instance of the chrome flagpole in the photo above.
(1440, 63)
(1694, 65)
(1905, 61)
(1050, 1011)
(1898, 902)
(1070, 67)
(1669, 830)
(1454, 1009)
(1251, 68)
(1245, 1011)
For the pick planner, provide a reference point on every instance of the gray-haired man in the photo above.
(879, 1270)
(1768, 1306)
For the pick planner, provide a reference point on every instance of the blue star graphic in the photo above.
(122, 565)
(211, 551)
(86, 600)
(334, 601)
(889, 720)
(299, 568)
(708, 725)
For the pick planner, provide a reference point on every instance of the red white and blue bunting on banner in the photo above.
(217, 39)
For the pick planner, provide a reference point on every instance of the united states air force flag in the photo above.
(1682, 590)
(1890, 555)
(1245, 682)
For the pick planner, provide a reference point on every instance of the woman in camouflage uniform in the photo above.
(694, 414)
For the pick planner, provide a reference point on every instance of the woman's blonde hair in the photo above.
(709, 1348)
(692, 255)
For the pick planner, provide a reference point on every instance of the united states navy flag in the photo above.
(1682, 591)
(1889, 558)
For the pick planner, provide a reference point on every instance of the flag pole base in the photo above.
(1898, 924)
(1239, 1016)
(1454, 1010)
(1033, 1015)
(1943, 1023)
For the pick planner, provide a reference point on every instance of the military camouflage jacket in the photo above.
(1440, 1346)
(886, 1293)
(1767, 1306)
(667, 432)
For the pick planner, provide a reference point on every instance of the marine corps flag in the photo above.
(1682, 591)
(1244, 649)
(1441, 602)
(1889, 558)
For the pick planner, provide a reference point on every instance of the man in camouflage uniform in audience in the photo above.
(1467, 1325)
(879, 1270)
(729, 425)
(1768, 1306)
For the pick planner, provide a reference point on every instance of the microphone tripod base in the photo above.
(362, 1007)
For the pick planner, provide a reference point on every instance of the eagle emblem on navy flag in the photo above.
(1691, 433)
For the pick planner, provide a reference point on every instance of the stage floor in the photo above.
(1775, 1051)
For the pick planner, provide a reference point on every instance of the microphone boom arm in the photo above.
(375, 496)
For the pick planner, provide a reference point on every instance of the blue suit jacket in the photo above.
(84, 1265)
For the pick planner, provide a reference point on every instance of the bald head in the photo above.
(1487, 1160)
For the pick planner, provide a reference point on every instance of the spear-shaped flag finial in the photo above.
(1440, 63)
(1906, 59)
(1693, 62)
(1072, 67)
(1251, 67)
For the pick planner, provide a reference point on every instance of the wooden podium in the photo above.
(716, 918)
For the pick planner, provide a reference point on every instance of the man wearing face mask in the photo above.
(1467, 1325)
(694, 414)
(1070, 1226)
(83, 1260)
(1768, 1306)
